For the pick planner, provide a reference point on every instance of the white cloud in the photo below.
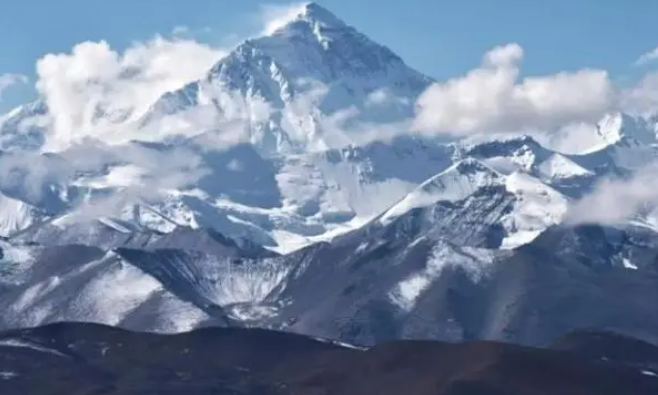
(576, 138)
(492, 98)
(504, 56)
(643, 97)
(275, 16)
(614, 201)
(29, 175)
(94, 79)
(145, 174)
(95, 93)
(10, 79)
(647, 57)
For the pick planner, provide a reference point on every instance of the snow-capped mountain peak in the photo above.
(614, 128)
(309, 14)
(302, 87)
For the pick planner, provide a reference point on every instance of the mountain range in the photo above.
(285, 190)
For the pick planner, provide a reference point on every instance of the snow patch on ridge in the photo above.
(558, 167)
(537, 207)
(456, 183)
(405, 294)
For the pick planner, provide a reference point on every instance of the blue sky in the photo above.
(443, 38)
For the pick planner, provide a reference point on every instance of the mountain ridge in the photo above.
(85, 359)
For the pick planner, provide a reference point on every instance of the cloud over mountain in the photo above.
(494, 98)
(95, 79)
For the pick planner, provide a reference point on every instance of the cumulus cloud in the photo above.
(94, 88)
(10, 79)
(615, 200)
(137, 174)
(493, 98)
(643, 97)
(28, 175)
(647, 57)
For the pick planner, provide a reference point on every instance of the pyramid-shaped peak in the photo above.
(315, 12)
(309, 13)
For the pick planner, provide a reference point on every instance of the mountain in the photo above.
(51, 284)
(283, 190)
(293, 138)
(434, 272)
(300, 76)
(529, 207)
(91, 359)
(306, 163)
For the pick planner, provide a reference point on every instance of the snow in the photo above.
(293, 133)
(454, 184)
(406, 294)
(309, 12)
(7, 375)
(109, 222)
(537, 207)
(628, 264)
(408, 291)
(304, 83)
(250, 282)
(106, 291)
(560, 167)
(251, 312)
(16, 215)
(16, 260)
(107, 303)
(519, 238)
(118, 176)
(342, 344)
(503, 165)
(616, 127)
(18, 343)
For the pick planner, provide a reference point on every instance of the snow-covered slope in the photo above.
(535, 206)
(16, 215)
(72, 283)
(454, 184)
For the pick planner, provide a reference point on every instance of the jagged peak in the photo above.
(315, 12)
(455, 183)
(619, 127)
(466, 175)
(506, 146)
(468, 166)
